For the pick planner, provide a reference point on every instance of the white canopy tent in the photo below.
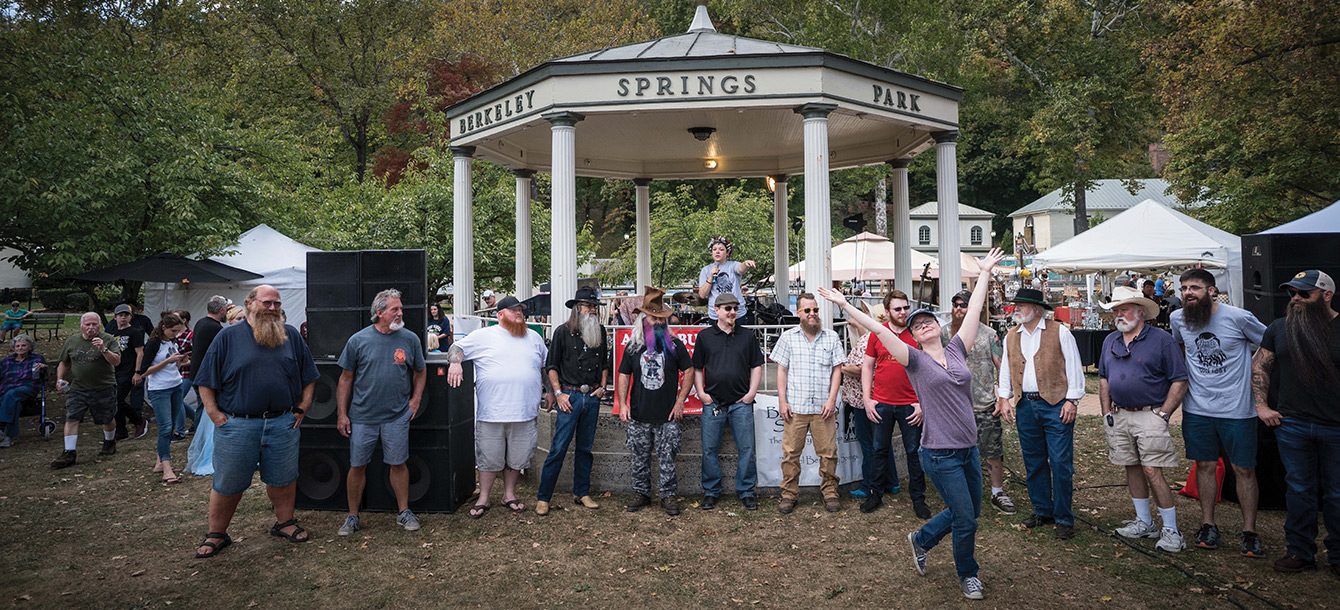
(865, 257)
(1325, 220)
(1151, 237)
(281, 260)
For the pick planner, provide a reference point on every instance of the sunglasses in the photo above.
(960, 305)
(808, 310)
(903, 308)
(1302, 294)
(728, 307)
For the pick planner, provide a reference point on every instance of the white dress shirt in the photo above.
(1028, 344)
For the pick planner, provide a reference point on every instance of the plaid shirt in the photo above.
(15, 374)
(183, 342)
(809, 367)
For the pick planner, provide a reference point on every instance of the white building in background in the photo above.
(974, 229)
(10, 275)
(1050, 220)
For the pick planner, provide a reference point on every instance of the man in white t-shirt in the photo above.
(722, 276)
(509, 368)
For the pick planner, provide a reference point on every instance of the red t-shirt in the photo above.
(890, 384)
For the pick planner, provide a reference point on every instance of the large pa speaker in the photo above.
(323, 465)
(1270, 260)
(441, 472)
(329, 329)
(323, 410)
(342, 285)
(333, 280)
(403, 270)
(443, 405)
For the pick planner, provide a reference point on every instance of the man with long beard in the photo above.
(256, 383)
(578, 369)
(983, 360)
(1218, 413)
(1304, 349)
(380, 388)
(652, 395)
(1042, 370)
(509, 368)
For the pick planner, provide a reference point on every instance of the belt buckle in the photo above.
(585, 388)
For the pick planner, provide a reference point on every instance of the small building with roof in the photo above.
(974, 229)
(1050, 219)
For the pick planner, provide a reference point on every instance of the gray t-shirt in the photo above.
(383, 366)
(947, 420)
(1219, 360)
(728, 280)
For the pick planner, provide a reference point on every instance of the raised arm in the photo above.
(967, 333)
(891, 342)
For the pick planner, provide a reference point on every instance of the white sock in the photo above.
(996, 490)
(109, 435)
(1169, 516)
(1142, 510)
(70, 441)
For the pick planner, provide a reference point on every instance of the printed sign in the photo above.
(687, 334)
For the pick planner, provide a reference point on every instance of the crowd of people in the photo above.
(945, 387)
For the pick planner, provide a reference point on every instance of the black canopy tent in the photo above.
(169, 268)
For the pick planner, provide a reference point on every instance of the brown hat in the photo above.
(653, 303)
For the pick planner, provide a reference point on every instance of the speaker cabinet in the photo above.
(333, 280)
(441, 471)
(328, 330)
(324, 411)
(1270, 260)
(342, 285)
(323, 465)
(443, 405)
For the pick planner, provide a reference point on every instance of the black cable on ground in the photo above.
(1165, 557)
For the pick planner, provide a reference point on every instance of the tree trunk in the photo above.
(1081, 211)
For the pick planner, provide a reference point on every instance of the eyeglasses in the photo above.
(960, 305)
(808, 310)
(728, 307)
(1302, 294)
(269, 304)
(903, 308)
(924, 322)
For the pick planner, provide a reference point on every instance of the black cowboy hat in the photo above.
(1029, 295)
(584, 295)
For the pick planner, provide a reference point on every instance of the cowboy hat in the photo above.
(584, 295)
(1027, 295)
(1122, 295)
(653, 303)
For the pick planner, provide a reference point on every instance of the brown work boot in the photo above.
(637, 502)
(671, 505)
(108, 448)
(787, 506)
(832, 504)
(65, 460)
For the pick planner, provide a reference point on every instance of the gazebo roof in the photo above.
(707, 43)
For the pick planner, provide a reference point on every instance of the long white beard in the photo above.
(395, 326)
(592, 334)
(1020, 318)
(1123, 325)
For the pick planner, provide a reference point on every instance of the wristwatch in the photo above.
(299, 410)
(1165, 416)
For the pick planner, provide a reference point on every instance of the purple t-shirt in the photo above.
(946, 397)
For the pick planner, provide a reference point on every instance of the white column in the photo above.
(818, 210)
(902, 229)
(563, 168)
(463, 235)
(946, 191)
(781, 249)
(524, 280)
(642, 228)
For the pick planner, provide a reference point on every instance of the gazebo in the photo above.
(704, 105)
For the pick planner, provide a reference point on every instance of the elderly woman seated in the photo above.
(20, 380)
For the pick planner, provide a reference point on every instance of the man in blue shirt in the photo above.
(1141, 381)
(255, 383)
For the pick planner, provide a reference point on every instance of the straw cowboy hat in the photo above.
(1122, 295)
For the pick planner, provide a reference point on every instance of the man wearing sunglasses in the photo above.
(1141, 381)
(1303, 351)
(728, 365)
(891, 402)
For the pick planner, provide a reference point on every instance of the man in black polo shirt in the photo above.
(577, 369)
(728, 365)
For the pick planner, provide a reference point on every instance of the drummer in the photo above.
(722, 276)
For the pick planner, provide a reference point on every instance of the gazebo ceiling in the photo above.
(637, 103)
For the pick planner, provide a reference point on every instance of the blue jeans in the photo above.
(866, 439)
(1049, 458)
(166, 404)
(740, 418)
(1311, 459)
(11, 403)
(240, 444)
(886, 469)
(581, 423)
(957, 475)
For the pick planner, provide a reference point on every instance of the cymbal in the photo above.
(692, 298)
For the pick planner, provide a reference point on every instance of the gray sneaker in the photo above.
(1136, 528)
(1170, 541)
(918, 553)
(6, 441)
(972, 588)
(350, 525)
(1003, 503)
(407, 520)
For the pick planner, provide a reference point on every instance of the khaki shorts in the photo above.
(1139, 438)
(510, 445)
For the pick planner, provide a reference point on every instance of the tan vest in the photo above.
(1048, 364)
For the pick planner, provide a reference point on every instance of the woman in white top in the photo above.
(164, 386)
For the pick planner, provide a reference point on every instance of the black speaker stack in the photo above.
(1269, 260)
(340, 290)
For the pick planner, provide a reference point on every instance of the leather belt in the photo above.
(265, 415)
(584, 388)
(1144, 408)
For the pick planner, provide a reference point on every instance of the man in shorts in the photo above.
(984, 361)
(87, 373)
(1141, 381)
(1217, 340)
(378, 394)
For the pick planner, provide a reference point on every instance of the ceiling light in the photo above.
(702, 133)
(710, 164)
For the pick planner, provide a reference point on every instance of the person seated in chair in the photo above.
(20, 380)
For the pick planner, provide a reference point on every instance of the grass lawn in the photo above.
(105, 533)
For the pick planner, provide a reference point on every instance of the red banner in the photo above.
(687, 334)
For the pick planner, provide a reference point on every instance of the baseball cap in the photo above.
(911, 318)
(1310, 280)
(963, 295)
(489, 293)
(509, 302)
(122, 308)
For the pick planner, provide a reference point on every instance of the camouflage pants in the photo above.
(665, 438)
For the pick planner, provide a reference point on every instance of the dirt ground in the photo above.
(106, 534)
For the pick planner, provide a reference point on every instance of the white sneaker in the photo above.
(1136, 528)
(1170, 541)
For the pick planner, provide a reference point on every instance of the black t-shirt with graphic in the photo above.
(1314, 406)
(655, 381)
(130, 338)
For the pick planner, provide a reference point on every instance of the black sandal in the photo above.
(514, 505)
(478, 511)
(217, 548)
(293, 536)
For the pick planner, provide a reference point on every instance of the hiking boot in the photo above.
(872, 503)
(1037, 520)
(637, 502)
(1293, 564)
(407, 520)
(65, 460)
(1170, 541)
(1252, 546)
(833, 505)
(918, 554)
(919, 507)
(108, 448)
(350, 526)
(141, 429)
(1064, 531)
(670, 505)
(749, 503)
(787, 506)
(972, 588)
(1003, 503)
(1136, 528)
(1207, 537)
(709, 502)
